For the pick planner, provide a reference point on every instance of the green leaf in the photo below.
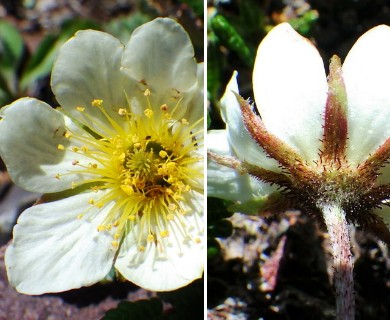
(229, 37)
(197, 6)
(11, 45)
(11, 54)
(141, 310)
(305, 23)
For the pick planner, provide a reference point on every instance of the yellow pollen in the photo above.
(97, 103)
(163, 154)
(148, 113)
(164, 234)
(115, 244)
(140, 167)
(122, 112)
(58, 176)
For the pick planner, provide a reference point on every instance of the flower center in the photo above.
(147, 165)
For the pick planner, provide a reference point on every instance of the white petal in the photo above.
(53, 250)
(195, 107)
(367, 76)
(88, 68)
(226, 183)
(290, 88)
(173, 262)
(242, 143)
(160, 53)
(30, 133)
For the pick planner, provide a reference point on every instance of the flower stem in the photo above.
(337, 226)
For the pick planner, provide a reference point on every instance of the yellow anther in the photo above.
(117, 236)
(141, 248)
(184, 121)
(97, 103)
(172, 206)
(164, 107)
(75, 149)
(167, 116)
(122, 112)
(80, 216)
(137, 145)
(81, 109)
(91, 201)
(74, 185)
(101, 228)
(164, 234)
(116, 223)
(132, 217)
(93, 165)
(147, 93)
(150, 238)
(68, 134)
(148, 113)
(75, 162)
(60, 147)
(115, 244)
(84, 148)
(198, 240)
(163, 154)
(58, 176)
(127, 189)
(170, 216)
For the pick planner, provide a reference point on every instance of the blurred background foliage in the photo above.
(31, 32)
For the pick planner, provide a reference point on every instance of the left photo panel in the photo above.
(102, 210)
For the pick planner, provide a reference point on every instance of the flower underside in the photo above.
(146, 163)
(330, 179)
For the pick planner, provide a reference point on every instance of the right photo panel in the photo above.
(298, 149)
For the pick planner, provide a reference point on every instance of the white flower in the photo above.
(317, 140)
(121, 162)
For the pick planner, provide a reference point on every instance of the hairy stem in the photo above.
(337, 225)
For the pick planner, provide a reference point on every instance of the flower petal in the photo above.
(226, 183)
(367, 76)
(160, 54)
(88, 68)
(170, 263)
(30, 132)
(55, 250)
(290, 89)
(242, 143)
